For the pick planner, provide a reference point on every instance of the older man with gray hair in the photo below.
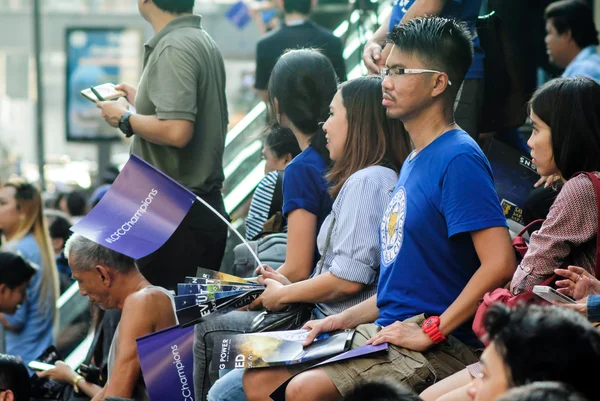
(112, 281)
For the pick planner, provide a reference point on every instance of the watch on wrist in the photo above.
(125, 125)
(76, 380)
(431, 327)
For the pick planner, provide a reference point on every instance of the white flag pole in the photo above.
(232, 229)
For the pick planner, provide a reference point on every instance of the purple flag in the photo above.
(167, 360)
(140, 211)
(279, 393)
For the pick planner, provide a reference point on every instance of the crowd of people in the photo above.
(393, 225)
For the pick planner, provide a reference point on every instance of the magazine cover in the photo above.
(217, 276)
(279, 393)
(185, 301)
(196, 313)
(514, 176)
(186, 289)
(259, 350)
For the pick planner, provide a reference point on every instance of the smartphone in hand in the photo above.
(102, 92)
(551, 295)
(40, 366)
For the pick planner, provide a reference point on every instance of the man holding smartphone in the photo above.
(179, 127)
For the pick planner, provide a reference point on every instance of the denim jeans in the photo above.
(229, 387)
(209, 333)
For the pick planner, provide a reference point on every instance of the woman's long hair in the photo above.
(304, 82)
(571, 108)
(373, 138)
(29, 202)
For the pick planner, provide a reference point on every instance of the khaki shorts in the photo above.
(414, 369)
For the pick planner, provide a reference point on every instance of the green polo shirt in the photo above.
(184, 79)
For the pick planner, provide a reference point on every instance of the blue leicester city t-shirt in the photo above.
(305, 187)
(427, 255)
(462, 10)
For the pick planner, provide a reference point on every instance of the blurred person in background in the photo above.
(14, 379)
(73, 204)
(15, 273)
(297, 32)
(59, 227)
(571, 39)
(30, 330)
(280, 147)
(179, 127)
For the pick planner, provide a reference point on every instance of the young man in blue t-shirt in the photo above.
(444, 238)
(469, 101)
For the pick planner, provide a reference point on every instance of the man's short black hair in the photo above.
(14, 270)
(59, 227)
(175, 6)
(545, 343)
(76, 203)
(14, 377)
(297, 6)
(444, 43)
(381, 390)
(574, 16)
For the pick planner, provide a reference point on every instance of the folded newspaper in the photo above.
(259, 350)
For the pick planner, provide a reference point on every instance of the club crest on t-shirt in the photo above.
(392, 227)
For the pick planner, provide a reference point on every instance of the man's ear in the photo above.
(441, 84)
(104, 275)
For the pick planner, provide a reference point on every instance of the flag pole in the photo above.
(232, 229)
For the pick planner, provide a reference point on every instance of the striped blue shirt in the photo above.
(260, 206)
(586, 64)
(353, 252)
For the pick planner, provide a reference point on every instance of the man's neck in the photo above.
(130, 284)
(572, 53)
(295, 18)
(425, 127)
(161, 19)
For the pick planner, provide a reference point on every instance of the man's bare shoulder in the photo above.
(147, 298)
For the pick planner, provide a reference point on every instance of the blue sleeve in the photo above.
(469, 200)
(303, 187)
(593, 308)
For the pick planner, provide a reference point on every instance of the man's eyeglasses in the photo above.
(395, 71)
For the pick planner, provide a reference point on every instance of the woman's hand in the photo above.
(272, 296)
(578, 283)
(579, 307)
(266, 272)
(547, 180)
(62, 373)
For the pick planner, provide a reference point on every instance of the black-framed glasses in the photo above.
(395, 71)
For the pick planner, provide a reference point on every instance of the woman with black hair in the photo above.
(565, 140)
(301, 86)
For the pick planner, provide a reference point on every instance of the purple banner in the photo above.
(167, 360)
(140, 211)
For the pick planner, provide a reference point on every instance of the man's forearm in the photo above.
(424, 7)
(364, 312)
(161, 132)
(485, 279)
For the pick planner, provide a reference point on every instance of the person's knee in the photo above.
(312, 385)
(252, 385)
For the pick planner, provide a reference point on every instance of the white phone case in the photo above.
(551, 295)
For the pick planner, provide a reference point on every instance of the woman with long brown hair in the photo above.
(367, 149)
(30, 330)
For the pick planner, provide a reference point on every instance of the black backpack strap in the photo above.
(277, 200)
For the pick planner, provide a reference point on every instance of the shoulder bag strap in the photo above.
(596, 183)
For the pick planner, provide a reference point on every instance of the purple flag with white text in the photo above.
(167, 360)
(140, 211)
